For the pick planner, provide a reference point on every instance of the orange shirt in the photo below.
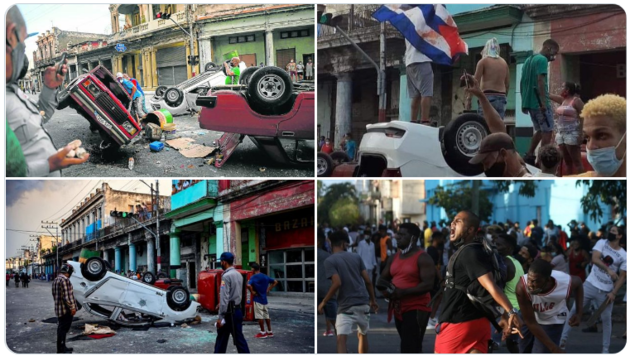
(384, 248)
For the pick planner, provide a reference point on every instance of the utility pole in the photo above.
(157, 224)
(192, 40)
(56, 226)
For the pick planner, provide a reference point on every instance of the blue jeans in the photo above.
(543, 121)
(498, 102)
(233, 326)
(529, 343)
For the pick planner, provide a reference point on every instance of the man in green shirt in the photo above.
(535, 95)
(233, 72)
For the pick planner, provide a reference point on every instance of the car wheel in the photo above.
(94, 269)
(325, 165)
(339, 157)
(173, 97)
(210, 66)
(178, 298)
(461, 141)
(63, 99)
(148, 278)
(269, 86)
(162, 275)
(246, 75)
(159, 92)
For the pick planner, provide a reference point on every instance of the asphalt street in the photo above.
(246, 161)
(383, 337)
(26, 333)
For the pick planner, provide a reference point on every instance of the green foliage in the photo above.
(344, 211)
(459, 196)
(527, 188)
(332, 194)
(609, 192)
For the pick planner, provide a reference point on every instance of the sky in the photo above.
(28, 202)
(69, 17)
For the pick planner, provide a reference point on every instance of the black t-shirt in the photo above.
(472, 263)
(537, 235)
(434, 253)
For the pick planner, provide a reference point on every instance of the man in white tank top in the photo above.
(542, 296)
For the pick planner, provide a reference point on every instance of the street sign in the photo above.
(121, 47)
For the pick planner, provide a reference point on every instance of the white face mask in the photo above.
(604, 160)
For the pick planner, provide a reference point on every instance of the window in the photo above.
(242, 39)
(295, 34)
(293, 269)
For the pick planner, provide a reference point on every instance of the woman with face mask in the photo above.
(605, 133)
(569, 126)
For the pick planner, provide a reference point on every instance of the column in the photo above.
(269, 51)
(188, 66)
(175, 256)
(89, 63)
(151, 253)
(117, 259)
(106, 254)
(154, 77)
(132, 257)
(343, 107)
(219, 237)
(205, 53)
(151, 14)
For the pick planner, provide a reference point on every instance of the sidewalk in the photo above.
(298, 303)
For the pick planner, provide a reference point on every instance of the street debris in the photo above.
(196, 321)
(185, 326)
(156, 146)
(31, 321)
(161, 341)
(131, 163)
(189, 149)
(95, 329)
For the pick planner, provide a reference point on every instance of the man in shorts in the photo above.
(419, 83)
(323, 285)
(355, 294)
(259, 285)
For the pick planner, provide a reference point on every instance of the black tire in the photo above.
(94, 269)
(325, 165)
(339, 157)
(148, 278)
(460, 142)
(269, 86)
(210, 66)
(178, 298)
(159, 91)
(173, 97)
(63, 99)
(162, 275)
(247, 74)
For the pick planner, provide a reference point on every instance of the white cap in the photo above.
(119, 75)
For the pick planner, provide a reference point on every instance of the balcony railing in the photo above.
(152, 25)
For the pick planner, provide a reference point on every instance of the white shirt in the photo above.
(560, 264)
(412, 55)
(242, 65)
(353, 237)
(551, 308)
(366, 252)
(394, 243)
(614, 259)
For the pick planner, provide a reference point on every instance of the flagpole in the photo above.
(382, 98)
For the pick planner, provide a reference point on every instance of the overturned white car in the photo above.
(125, 301)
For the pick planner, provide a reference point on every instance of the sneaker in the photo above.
(563, 344)
(330, 333)
(261, 336)
(270, 333)
(432, 323)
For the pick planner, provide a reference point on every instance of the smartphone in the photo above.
(61, 63)
(464, 82)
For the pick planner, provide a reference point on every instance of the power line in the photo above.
(49, 218)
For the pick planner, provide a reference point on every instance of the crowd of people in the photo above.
(476, 284)
(19, 278)
(347, 145)
(298, 71)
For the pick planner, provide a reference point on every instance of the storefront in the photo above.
(171, 65)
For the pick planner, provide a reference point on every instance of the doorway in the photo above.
(192, 284)
(249, 59)
(284, 56)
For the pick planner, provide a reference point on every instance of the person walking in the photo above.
(17, 280)
(410, 274)
(230, 321)
(323, 285)
(366, 250)
(259, 285)
(65, 306)
(8, 276)
(354, 290)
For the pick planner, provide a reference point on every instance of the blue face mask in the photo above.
(604, 160)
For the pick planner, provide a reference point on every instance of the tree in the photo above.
(344, 211)
(459, 196)
(609, 192)
(332, 194)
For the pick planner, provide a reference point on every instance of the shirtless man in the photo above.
(493, 75)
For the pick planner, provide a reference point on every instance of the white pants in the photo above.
(598, 296)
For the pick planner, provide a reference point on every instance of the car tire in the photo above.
(63, 99)
(339, 157)
(210, 66)
(159, 91)
(178, 298)
(325, 165)
(247, 74)
(269, 87)
(94, 269)
(148, 278)
(461, 141)
(162, 275)
(173, 97)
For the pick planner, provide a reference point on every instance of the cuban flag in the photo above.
(429, 28)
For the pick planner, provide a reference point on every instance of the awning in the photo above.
(127, 9)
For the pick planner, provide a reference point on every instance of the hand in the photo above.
(52, 79)
(397, 294)
(474, 88)
(73, 311)
(320, 308)
(575, 320)
(515, 322)
(59, 160)
(219, 324)
(612, 274)
(611, 297)
(374, 306)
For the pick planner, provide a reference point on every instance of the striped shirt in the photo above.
(63, 295)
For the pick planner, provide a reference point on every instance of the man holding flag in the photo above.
(431, 36)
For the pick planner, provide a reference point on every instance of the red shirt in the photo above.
(327, 148)
(406, 274)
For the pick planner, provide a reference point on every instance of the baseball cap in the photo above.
(227, 257)
(255, 266)
(119, 75)
(66, 268)
(492, 143)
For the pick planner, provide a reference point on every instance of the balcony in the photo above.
(150, 26)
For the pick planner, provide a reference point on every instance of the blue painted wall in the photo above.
(91, 230)
(195, 192)
(558, 200)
